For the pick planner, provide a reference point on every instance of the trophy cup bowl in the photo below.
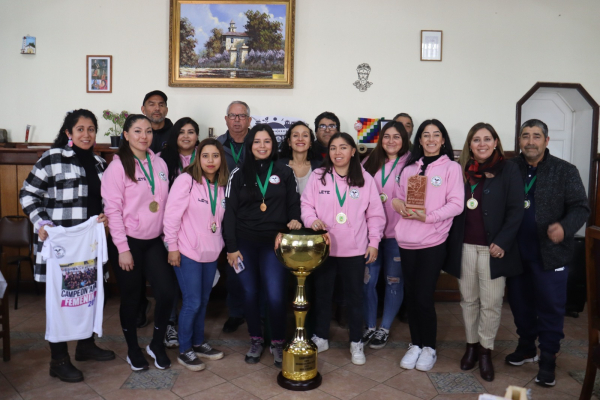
(301, 251)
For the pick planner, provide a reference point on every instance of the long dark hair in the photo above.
(378, 156)
(124, 152)
(249, 166)
(195, 169)
(417, 150)
(355, 176)
(69, 123)
(286, 150)
(170, 153)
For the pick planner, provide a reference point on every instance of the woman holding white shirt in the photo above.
(135, 189)
(422, 234)
(343, 199)
(193, 234)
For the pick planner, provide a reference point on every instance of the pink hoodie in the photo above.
(444, 199)
(188, 220)
(366, 218)
(126, 202)
(185, 160)
(391, 216)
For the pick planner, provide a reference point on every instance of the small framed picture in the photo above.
(431, 45)
(99, 74)
(28, 46)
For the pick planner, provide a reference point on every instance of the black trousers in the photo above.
(150, 262)
(60, 350)
(352, 271)
(421, 269)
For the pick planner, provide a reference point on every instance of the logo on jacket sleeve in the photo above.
(223, 203)
(274, 179)
(354, 193)
(436, 181)
(162, 176)
(397, 178)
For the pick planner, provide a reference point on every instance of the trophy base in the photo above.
(299, 386)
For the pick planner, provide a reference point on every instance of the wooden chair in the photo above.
(4, 323)
(592, 262)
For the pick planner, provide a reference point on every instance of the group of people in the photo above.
(172, 203)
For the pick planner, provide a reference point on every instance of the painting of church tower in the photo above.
(235, 43)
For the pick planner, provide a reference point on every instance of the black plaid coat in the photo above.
(56, 190)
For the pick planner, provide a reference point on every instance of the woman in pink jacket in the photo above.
(192, 222)
(135, 189)
(422, 232)
(342, 198)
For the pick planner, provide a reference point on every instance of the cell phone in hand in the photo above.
(240, 266)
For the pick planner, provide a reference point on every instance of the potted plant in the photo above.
(118, 119)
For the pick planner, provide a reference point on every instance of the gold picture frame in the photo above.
(222, 47)
(98, 71)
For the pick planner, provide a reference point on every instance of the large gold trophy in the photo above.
(301, 251)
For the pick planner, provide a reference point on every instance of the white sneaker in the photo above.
(427, 359)
(358, 355)
(410, 358)
(322, 344)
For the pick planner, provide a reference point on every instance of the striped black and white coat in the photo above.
(56, 190)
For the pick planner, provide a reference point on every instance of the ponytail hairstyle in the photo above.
(195, 169)
(69, 123)
(170, 153)
(124, 152)
(355, 176)
(378, 156)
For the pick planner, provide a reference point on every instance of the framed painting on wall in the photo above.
(99, 74)
(431, 45)
(232, 43)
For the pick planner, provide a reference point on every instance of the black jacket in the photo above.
(502, 206)
(224, 140)
(160, 136)
(243, 217)
(559, 197)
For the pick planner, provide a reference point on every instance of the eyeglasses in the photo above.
(323, 126)
(240, 116)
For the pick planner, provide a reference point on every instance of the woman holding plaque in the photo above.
(193, 234)
(261, 200)
(342, 198)
(135, 189)
(482, 250)
(384, 164)
(429, 196)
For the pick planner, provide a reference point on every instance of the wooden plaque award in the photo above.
(415, 194)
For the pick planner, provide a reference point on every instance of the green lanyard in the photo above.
(341, 199)
(151, 176)
(528, 187)
(213, 201)
(384, 178)
(473, 188)
(191, 161)
(236, 156)
(263, 188)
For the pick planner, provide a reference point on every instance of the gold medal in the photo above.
(213, 227)
(472, 204)
(154, 206)
(263, 206)
(527, 204)
(341, 218)
(383, 197)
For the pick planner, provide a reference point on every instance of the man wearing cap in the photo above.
(155, 108)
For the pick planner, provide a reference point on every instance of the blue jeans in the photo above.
(389, 256)
(196, 281)
(263, 274)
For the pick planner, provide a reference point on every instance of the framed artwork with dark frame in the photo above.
(431, 45)
(98, 70)
(232, 43)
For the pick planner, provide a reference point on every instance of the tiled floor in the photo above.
(26, 375)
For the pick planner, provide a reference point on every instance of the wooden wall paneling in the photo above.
(22, 173)
(8, 193)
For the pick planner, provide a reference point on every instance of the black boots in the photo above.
(65, 371)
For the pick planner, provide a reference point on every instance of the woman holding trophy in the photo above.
(342, 198)
(429, 195)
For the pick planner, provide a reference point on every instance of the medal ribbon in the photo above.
(473, 188)
(384, 178)
(151, 176)
(528, 187)
(191, 161)
(341, 199)
(263, 189)
(213, 202)
(236, 156)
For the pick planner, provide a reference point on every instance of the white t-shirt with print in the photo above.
(74, 291)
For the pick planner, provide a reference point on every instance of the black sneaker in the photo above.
(190, 361)
(380, 339)
(136, 359)
(171, 336)
(65, 371)
(367, 335)
(257, 346)
(142, 319)
(232, 324)
(206, 351)
(545, 376)
(521, 356)
(161, 360)
(277, 351)
(93, 352)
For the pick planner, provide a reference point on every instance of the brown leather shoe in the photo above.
(486, 368)
(470, 358)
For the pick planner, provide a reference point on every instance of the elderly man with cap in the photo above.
(155, 108)
(556, 206)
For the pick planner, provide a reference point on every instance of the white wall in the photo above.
(494, 52)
